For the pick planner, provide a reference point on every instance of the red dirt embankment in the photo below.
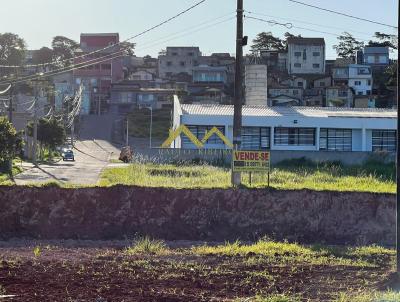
(197, 214)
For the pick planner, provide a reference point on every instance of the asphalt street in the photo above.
(91, 157)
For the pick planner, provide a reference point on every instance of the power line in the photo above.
(272, 22)
(343, 14)
(118, 43)
(303, 28)
(310, 23)
(96, 60)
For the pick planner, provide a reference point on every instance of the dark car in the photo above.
(68, 155)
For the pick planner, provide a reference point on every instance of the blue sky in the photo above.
(37, 21)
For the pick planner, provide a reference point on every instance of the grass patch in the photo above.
(269, 251)
(147, 245)
(6, 177)
(152, 175)
(287, 175)
(369, 297)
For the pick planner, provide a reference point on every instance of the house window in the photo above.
(316, 54)
(357, 83)
(294, 136)
(315, 65)
(322, 84)
(297, 65)
(295, 92)
(255, 138)
(174, 53)
(368, 92)
(304, 55)
(200, 132)
(369, 82)
(190, 54)
(384, 140)
(169, 63)
(331, 139)
(299, 84)
(342, 93)
(297, 54)
(182, 63)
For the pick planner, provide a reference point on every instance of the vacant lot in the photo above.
(300, 174)
(150, 270)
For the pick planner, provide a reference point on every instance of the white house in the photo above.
(360, 79)
(306, 55)
(291, 128)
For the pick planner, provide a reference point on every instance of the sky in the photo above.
(211, 26)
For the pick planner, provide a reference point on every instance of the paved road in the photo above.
(91, 157)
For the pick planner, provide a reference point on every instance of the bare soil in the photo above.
(60, 273)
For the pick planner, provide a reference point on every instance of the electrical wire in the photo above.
(343, 14)
(272, 22)
(304, 28)
(79, 65)
(186, 34)
(113, 45)
(7, 89)
(310, 23)
(56, 72)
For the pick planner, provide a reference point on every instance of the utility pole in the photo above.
(35, 122)
(10, 107)
(127, 131)
(398, 164)
(238, 100)
(151, 123)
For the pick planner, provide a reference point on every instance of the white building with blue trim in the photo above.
(291, 128)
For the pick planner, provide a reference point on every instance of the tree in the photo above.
(10, 141)
(266, 41)
(384, 40)
(12, 49)
(43, 55)
(391, 73)
(63, 49)
(128, 47)
(50, 133)
(348, 45)
(288, 35)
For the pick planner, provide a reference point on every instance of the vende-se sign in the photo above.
(250, 161)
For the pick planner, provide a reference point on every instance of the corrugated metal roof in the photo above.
(216, 109)
(305, 41)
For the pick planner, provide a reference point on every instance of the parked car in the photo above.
(126, 154)
(68, 155)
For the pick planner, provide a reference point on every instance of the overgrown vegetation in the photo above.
(147, 245)
(373, 176)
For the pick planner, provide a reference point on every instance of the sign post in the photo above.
(251, 161)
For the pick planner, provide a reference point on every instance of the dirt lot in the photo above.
(49, 272)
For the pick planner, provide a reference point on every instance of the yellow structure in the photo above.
(199, 144)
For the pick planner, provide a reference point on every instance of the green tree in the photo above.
(63, 49)
(288, 35)
(384, 40)
(12, 49)
(50, 133)
(266, 41)
(10, 142)
(128, 47)
(43, 55)
(347, 46)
